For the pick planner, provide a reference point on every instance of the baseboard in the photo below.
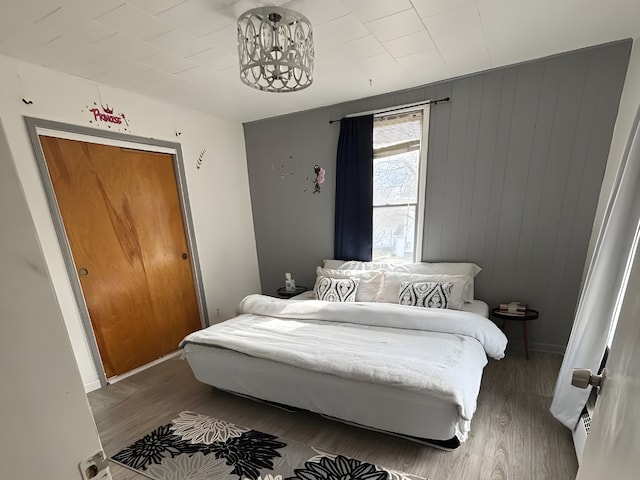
(547, 347)
(117, 378)
(539, 347)
(92, 385)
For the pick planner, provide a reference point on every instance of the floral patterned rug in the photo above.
(197, 447)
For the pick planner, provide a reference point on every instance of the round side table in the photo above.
(529, 315)
(282, 292)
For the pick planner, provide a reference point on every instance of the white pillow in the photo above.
(337, 289)
(425, 294)
(444, 268)
(331, 263)
(358, 265)
(368, 288)
(426, 268)
(392, 282)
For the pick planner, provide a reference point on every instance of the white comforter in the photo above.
(439, 352)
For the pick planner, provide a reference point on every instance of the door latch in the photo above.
(583, 377)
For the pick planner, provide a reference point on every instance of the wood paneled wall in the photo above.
(515, 163)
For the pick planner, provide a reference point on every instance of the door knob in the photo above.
(583, 377)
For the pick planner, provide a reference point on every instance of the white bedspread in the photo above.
(439, 352)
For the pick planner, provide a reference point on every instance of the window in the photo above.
(399, 177)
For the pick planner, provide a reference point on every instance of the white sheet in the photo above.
(437, 352)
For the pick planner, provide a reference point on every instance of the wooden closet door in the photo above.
(121, 213)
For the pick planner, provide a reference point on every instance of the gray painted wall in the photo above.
(515, 164)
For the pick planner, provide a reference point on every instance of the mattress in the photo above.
(374, 405)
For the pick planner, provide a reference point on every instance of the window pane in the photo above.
(395, 179)
(394, 233)
(387, 133)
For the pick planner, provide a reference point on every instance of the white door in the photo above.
(612, 450)
(46, 424)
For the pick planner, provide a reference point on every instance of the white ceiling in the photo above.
(185, 50)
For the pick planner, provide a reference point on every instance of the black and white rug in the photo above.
(197, 447)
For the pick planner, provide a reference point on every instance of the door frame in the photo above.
(38, 126)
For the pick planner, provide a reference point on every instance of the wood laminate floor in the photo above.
(513, 435)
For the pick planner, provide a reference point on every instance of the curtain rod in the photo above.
(434, 102)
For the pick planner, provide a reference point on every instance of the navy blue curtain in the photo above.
(354, 189)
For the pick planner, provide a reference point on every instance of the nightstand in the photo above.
(527, 317)
(282, 292)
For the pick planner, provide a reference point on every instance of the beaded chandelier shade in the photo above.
(275, 46)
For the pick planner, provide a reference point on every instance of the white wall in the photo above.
(629, 103)
(218, 191)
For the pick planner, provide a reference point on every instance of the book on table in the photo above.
(516, 309)
(517, 305)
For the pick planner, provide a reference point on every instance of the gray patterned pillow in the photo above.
(425, 294)
(337, 289)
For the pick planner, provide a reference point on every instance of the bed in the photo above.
(399, 368)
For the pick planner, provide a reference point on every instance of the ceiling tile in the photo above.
(464, 53)
(340, 30)
(318, 12)
(31, 33)
(63, 48)
(364, 47)
(20, 49)
(181, 43)
(459, 20)
(155, 6)
(200, 74)
(335, 64)
(127, 46)
(91, 8)
(126, 81)
(224, 39)
(196, 18)
(123, 66)
(429, 61)
(229, 79)
(76, 26)
(427, 8)
(396, 25)
(154, 77)
(31, 10)
(234, 9)
(215, 58)
(167, 62)
(160, 87)
(367, 10)
(379, 63)
(135, 22)
(410, 44)
(327, 51)
(80, 69)
(209, 79)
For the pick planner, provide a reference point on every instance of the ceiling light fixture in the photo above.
(275, 46)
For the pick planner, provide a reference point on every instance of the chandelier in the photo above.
(275, 46)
